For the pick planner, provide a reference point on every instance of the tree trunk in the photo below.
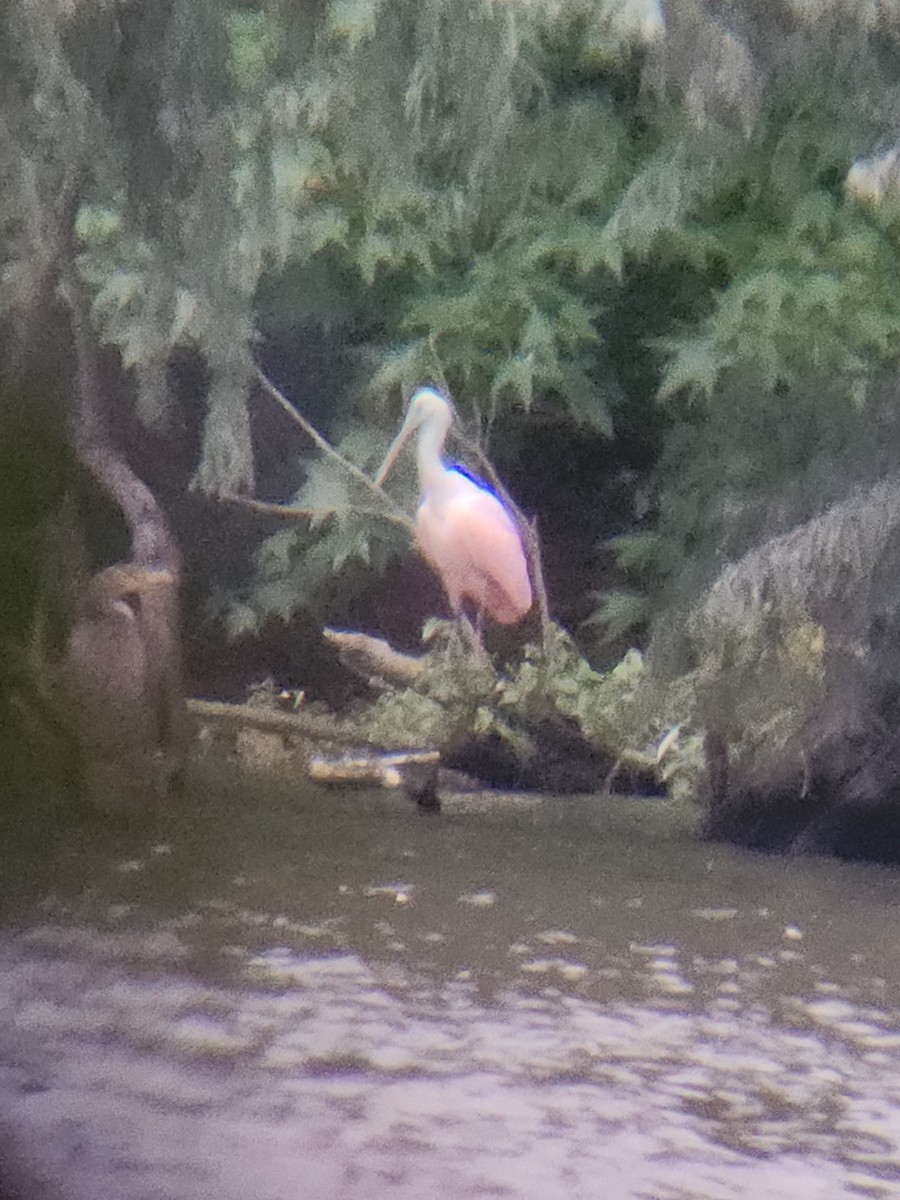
(140, 626)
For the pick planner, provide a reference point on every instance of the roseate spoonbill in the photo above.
(462, 528)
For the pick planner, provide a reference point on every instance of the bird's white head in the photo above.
(432, 415)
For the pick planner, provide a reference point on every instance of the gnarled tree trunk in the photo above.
(121, 676)
(102, 684)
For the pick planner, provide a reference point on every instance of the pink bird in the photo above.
(462, 528)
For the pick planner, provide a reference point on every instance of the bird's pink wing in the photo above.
(474, 545)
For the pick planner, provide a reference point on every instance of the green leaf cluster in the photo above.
(625, 213)
(821, 296)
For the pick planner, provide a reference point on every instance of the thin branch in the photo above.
(305, 724)
(294, 513)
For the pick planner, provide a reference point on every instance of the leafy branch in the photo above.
(387, 509)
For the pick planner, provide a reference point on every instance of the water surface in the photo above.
(289, 993)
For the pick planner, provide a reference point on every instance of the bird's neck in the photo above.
(429, 455)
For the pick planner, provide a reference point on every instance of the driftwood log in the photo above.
(324, 749)
(534, 752)
(547, 754)
(375, 659)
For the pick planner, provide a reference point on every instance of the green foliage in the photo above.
(768, 380)
(494, 305)
(456, 695)
(618, 613)
(478, 192)
(627, 711)
(821, 296)
(342, 537)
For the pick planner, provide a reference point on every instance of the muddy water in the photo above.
(309, 996)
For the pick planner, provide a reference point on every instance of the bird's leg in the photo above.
(471, 636)
(479, 626)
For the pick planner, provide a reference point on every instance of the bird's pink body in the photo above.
(462, 528)
(472, 542)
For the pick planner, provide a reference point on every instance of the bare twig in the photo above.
(293, 512)
(249, 716)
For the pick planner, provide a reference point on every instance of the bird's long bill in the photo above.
(396, 446)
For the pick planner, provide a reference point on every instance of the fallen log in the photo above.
(374, 658)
